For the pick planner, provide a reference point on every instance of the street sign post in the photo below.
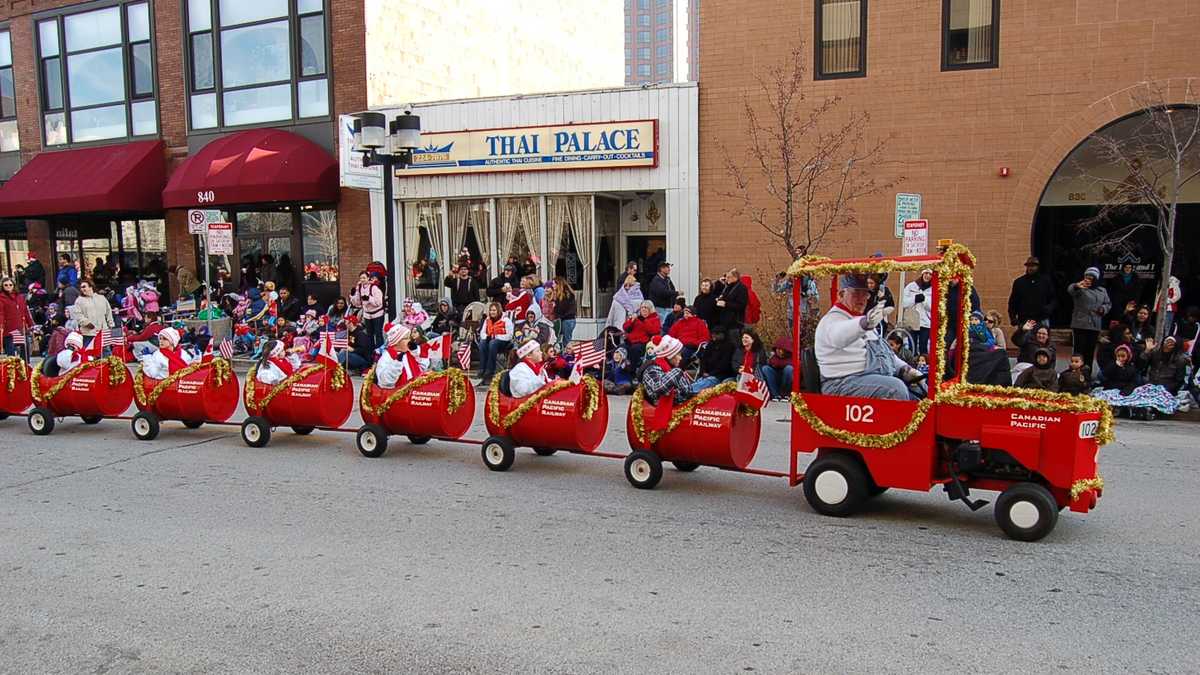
(916, 238)
(220, 238)
(908, 207)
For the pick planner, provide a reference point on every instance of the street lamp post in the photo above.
(390, 146)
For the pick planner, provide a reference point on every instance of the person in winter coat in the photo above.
(67, 274)
(691, 331)
(917, 299)
(705, 304)
(662, 377)
(565, 310)
(530, 373)
(168, 358)
(495, 338)
(1076, 379)
(716, 361)
(91, 311)
(535, 327)
(368, 299)
(14, 314)
(1167, 364)
(1041, 375)
(289, 305)
(1142, 325)
(35, 271)
(987, 365)
(1117, 336)
(362, 348)
(750, 356)
(1121, 375)
(1091, 304)
(991, 319)
(463, 289)
(1123, 288)
(504, 283)
(397, 363)
(625, 302)
(1032, 296)
(618, 374)
(1031, 337)
(732, 300)
(277, 363)
(874, 283)
(446, 320)
(662, 291)
(639, 330)
(779, 370)
(672, 316)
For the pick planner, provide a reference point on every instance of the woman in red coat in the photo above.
(639, 329)
(14, 314)
(691, 330)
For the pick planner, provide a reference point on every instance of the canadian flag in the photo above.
(751, 391)
(438, 346)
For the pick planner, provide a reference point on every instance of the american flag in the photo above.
(107, 339)
(464, 355)
(331, 342)
(589, 353)
(438, 346)
(226, 348)
(18, 337)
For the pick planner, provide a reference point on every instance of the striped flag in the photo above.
(18, 337)
(107, 339)
(588, 353)
(438, 346)
(331, 342)
(226, 348)
(464, 355)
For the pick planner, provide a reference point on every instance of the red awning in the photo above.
(251, 167)
(126, 178)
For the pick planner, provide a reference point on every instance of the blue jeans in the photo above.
(877, 380)
(352, 361)
(567, 331)
(779, 381)
(922, 338)
(662, 313)
(489, 353)
(705, 382)
(9, 348)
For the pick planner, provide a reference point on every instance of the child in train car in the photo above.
(557, 365)
(73, 354)
(168, 358)
(398, 364)
(277, 363)
(530, 373)
(661, 377)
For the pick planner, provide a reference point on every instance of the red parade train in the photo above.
(1038, 450)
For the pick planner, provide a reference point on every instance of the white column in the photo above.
(547, 264)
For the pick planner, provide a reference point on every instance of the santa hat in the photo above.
(528, 348)
(170, 336)
(276, 349)
(665, 346)
(395, 333)
(75, 339)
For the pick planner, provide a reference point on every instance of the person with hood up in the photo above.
(276, 363)
(1091, 304)
(529, 374)
(1167, 364)
(779, 370)
(72, 354)
(535, 327)
(1120, 389)
(625, 302)
(398, 364)
(987, 364)
(917, 304)
(1041, 375)
(169, 358)
(618, 374)
(447, 318)
(415, 316)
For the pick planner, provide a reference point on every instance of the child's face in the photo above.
(1042, 359)
(552, 352)
(1122, 357)
(922, 361)
(1076, 363)
(895, 346)
(975, 321)
(617, 357)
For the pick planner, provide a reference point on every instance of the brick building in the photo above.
(966, 88)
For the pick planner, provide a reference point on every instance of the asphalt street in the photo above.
(194, 553)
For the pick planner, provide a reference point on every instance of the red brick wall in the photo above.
(348, 29)
(1066, 69)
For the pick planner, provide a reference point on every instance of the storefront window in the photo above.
(106, 60)
(424, 244)
(470, 229)
(518, 228)
(15, 253)
(266, 63)
(130, 248)
(320, 245)
(570, 234)
(9, 141)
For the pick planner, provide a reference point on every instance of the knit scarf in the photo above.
(283, 364)
(174, 360)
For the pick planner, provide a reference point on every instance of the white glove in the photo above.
(876, 316)
(910, 375)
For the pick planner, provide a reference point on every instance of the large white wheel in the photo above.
(145, 426)
(41, 421)
(498, 453)
(372, 440)
(643, 469)
(256, 433)
(1026, 512)
(836, 485)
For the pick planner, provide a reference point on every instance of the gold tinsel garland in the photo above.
(858, 438)
(116, 375)
(591, 402)
(679, 413)
(257, 406)
(16, 369)
(221, 373)
(1081, 486)
(456, 389)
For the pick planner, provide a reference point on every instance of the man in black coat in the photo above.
(1032, 297)
(495, 289)
(662, 291)
(34, 271)
(463, 289)
(732, 298)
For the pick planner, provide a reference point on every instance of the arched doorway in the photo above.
(1089, 177)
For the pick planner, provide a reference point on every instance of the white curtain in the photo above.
(518, 218)
(458, 233)
(841, 33)
(412, 232)
(575, 213)
(464, 214)
(558, 217)
(979, 35)
(481, 222)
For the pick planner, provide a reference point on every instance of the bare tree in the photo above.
(806, 162)
(1160, 155)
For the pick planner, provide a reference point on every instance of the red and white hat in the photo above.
(527, 348)
(396, 332)
(170, 336)
(665, 346)
(75, 339)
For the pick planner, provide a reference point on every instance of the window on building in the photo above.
(643, 4)
(105, 59)
(628, 37)
(250, 63)
(663, 17)
(663, 68)
(320, 246)
(644, 53)
(841, 38)
(628, 70)
(9, 141)
(970, 34)
(660, 3)
(662, 51)
(628, 53)
(643, 69)
(643, 36)
(662, 34)
(644, 20)
(628, 20)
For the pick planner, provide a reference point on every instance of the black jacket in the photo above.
(1032, 297)
(1028, 347)
(662, 292)
(736, 297)
(462, 291)
(565, 309)
(289, 309)
(706, 308)
(1123, 378)
(1070, 382)
(716, 359)
(35, 272)
(495, 289)
(1167, 370)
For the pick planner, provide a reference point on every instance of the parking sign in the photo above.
(908, 207)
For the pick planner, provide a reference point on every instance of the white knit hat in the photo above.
(528, 348)
(666, 346)
(396, 332)
(75, 339)
(170, 335)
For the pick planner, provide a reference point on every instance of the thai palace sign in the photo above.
(602, 145)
